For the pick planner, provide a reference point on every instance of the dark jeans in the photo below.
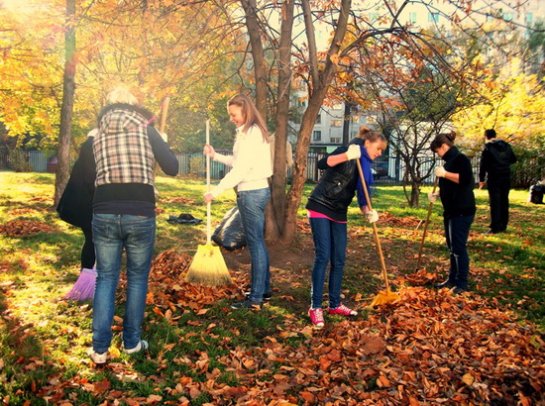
(88, 249)
(498, 193)
(457, 233)
(330, 248)
(251, 205)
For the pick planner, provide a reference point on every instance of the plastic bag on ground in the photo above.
(229, 234)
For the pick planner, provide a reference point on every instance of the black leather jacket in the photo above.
(335, 189)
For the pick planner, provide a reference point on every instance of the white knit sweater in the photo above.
(251, 162)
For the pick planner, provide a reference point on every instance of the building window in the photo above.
(319, 119)
(317, 135)
(412, 17)
(336, 123)
(433, 18)
(335, 140)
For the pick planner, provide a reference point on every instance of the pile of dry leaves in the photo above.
(430, 347)
(24, 228)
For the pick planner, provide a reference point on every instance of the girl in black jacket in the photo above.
(456, 183)
(327, 208)
(75, 207)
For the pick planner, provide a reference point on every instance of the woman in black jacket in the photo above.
(76, 208)
(327, 209)
(456, 183)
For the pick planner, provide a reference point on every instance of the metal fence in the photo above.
(390, 171)
(22, 161)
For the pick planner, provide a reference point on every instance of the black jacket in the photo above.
(335, 189)
(76, 203)
(496, 159)
(457, 198)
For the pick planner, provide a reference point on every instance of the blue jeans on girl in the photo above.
(330, 248)
(251, 204)
(111, 234)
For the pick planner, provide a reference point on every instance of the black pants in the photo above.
(457, 233)
(88, 249)
(498, 192)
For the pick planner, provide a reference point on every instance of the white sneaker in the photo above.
(141, 346)
(99, 359)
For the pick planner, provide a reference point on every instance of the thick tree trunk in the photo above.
(69, 86)
(300, 166)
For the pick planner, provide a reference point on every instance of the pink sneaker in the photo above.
(316, 317)
(342, 310)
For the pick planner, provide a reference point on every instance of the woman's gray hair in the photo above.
(121, 94)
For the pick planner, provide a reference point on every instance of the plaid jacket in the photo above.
(122, 150)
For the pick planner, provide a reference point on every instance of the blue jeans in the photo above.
(111, 234)
(457, 233)
(251, 205)
(330, 248)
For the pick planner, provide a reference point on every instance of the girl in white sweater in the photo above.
(251, 167)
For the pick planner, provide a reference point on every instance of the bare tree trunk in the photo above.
(282, 116)
(69, 86)
(258, 55)
(319, 90)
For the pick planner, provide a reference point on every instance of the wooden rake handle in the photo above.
(426, 225)
(164, 113)
(209, 204)
(375, 232)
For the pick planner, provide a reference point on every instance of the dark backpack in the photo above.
(536, 193)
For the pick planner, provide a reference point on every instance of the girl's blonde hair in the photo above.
(250, 113)
(121, 94)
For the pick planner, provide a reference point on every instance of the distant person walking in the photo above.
(495, 172)
(126, 149)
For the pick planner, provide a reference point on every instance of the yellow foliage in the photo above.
(513, 103)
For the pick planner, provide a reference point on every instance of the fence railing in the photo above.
(525, 172)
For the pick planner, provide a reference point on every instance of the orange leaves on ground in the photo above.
(392, 220)
(179, 199)
(421, 277)
(24, 228)
(169, 289)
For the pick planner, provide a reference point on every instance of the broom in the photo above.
(208, 266)
(426, 226)
(384, 296)
(84, 288)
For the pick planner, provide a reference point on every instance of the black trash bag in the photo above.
(536, 193)
(230, 233)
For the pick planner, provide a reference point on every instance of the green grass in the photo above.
(43, 340)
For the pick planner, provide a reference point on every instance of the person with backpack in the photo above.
(495, 172)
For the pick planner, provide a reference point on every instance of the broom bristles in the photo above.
(84, 288)
(384, 297)
(208, 267)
